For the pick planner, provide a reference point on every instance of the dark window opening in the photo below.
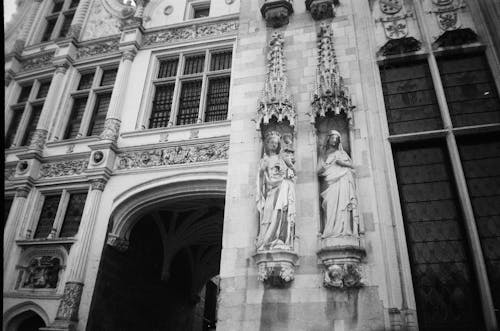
(162, 105)
(99, 115)
(73, 215)
(189, 103)
(47, 217)
(217, 99)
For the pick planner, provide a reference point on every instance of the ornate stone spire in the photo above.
(275, 100)
(330, 94)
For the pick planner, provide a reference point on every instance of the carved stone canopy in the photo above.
(330, 93)
(276, 12)
(322, 9)
(275, 100)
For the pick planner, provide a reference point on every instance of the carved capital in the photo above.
(38, 139)
(129, 55)
(22, 192)
(61, 68)
(120, 244)
(322, 9)
(111, 129)
(343, 275)
(98, 184)
(70, 302)
(276, 12)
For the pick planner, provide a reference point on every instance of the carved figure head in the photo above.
(333, 139)
(273, 142)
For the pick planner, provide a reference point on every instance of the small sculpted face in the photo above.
(334, 140)
(272, 144)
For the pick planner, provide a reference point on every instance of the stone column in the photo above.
(113, 117)
(23, 36)
(12, 223)
(76, 25)
(67, 313)
(40, 135)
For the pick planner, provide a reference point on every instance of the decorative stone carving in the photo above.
(343, 275)
(276, 12)
(97, 157)
(330, 93)
(322, 9)
(276, 268)
(111, 129)
(22, 192)
(38, 139)
(275, 101)
(456, 37)
(9, 173)
(118, 243)
(98, 184)
(22, 167)
(400, 46)
(110, 46)
(63, 168)
(191, 32)
(447, 13)
(104, 20)
(38, 61)
(172, 155)
(42, 272)
(70, 302)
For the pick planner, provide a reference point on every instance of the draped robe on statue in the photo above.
(339, 198)
(275, 202)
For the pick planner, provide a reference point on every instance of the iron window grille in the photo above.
(90, 102)
(59, 216)
(25, 113)
(58, 21)
(191, 88)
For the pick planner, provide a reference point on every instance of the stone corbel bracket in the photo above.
(322, 9)
(276, 267)
(275, 100)
(330, 93)
(276, 12)
(341, 258)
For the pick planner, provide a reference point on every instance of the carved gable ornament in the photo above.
(275, 100)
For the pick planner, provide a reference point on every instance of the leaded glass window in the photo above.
(47, 217)
(217, 99)
(36, 111)
(99, 115)
(73, 215)
(58, 20)
(162, 103)
(189, 103)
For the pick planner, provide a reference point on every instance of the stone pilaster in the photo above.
(42, 128)
(12, 222)
(67, 314)
(113, 117)
(76, 25)
(23, 36)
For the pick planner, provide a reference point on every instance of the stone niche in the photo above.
(276, 12)
(322, 9)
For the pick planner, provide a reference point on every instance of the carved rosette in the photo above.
(70, 302)
(322, 9)
(276, 268)
(111, 129)
(277, 12)
(275, 100)
(330, 93)
(120, 244)
(38, 139)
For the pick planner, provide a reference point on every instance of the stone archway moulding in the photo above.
(21, 308)
(138, 200)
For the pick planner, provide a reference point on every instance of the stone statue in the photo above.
(339, 198)
(275, 196)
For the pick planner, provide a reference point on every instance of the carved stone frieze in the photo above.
(9, 172)
(191, 32)
(63, 168)
(276, 12)
(110, 46)
(343, 275)
(38, 139)
(330, 93)
(111, 129)
(275, 100)
(38, 61)
(173, 155)
(322, 9)
(70, 302)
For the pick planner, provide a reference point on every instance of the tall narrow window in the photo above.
(189, 102)
(217, 99)
(59, 18)
(7, 203)
(26, 113)
(92, 96)
(47, 217)
(73, 216)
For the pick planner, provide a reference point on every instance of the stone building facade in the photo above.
(252, 165)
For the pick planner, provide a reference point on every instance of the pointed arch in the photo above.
(9, 317)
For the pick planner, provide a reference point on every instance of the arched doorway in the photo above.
(167, 277)
(26, 321)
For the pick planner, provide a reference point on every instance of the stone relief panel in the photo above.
(40, 268)
(101, 22)
(63, 168)
(191, 32)
(105, 47)
(38, 61)
(172, 155)
(9, 173)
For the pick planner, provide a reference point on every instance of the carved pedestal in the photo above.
(322, 9)
(276, 267)
(341, 257)
(276, 12)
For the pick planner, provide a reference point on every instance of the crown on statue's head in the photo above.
(274, 134)
(334, 132)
